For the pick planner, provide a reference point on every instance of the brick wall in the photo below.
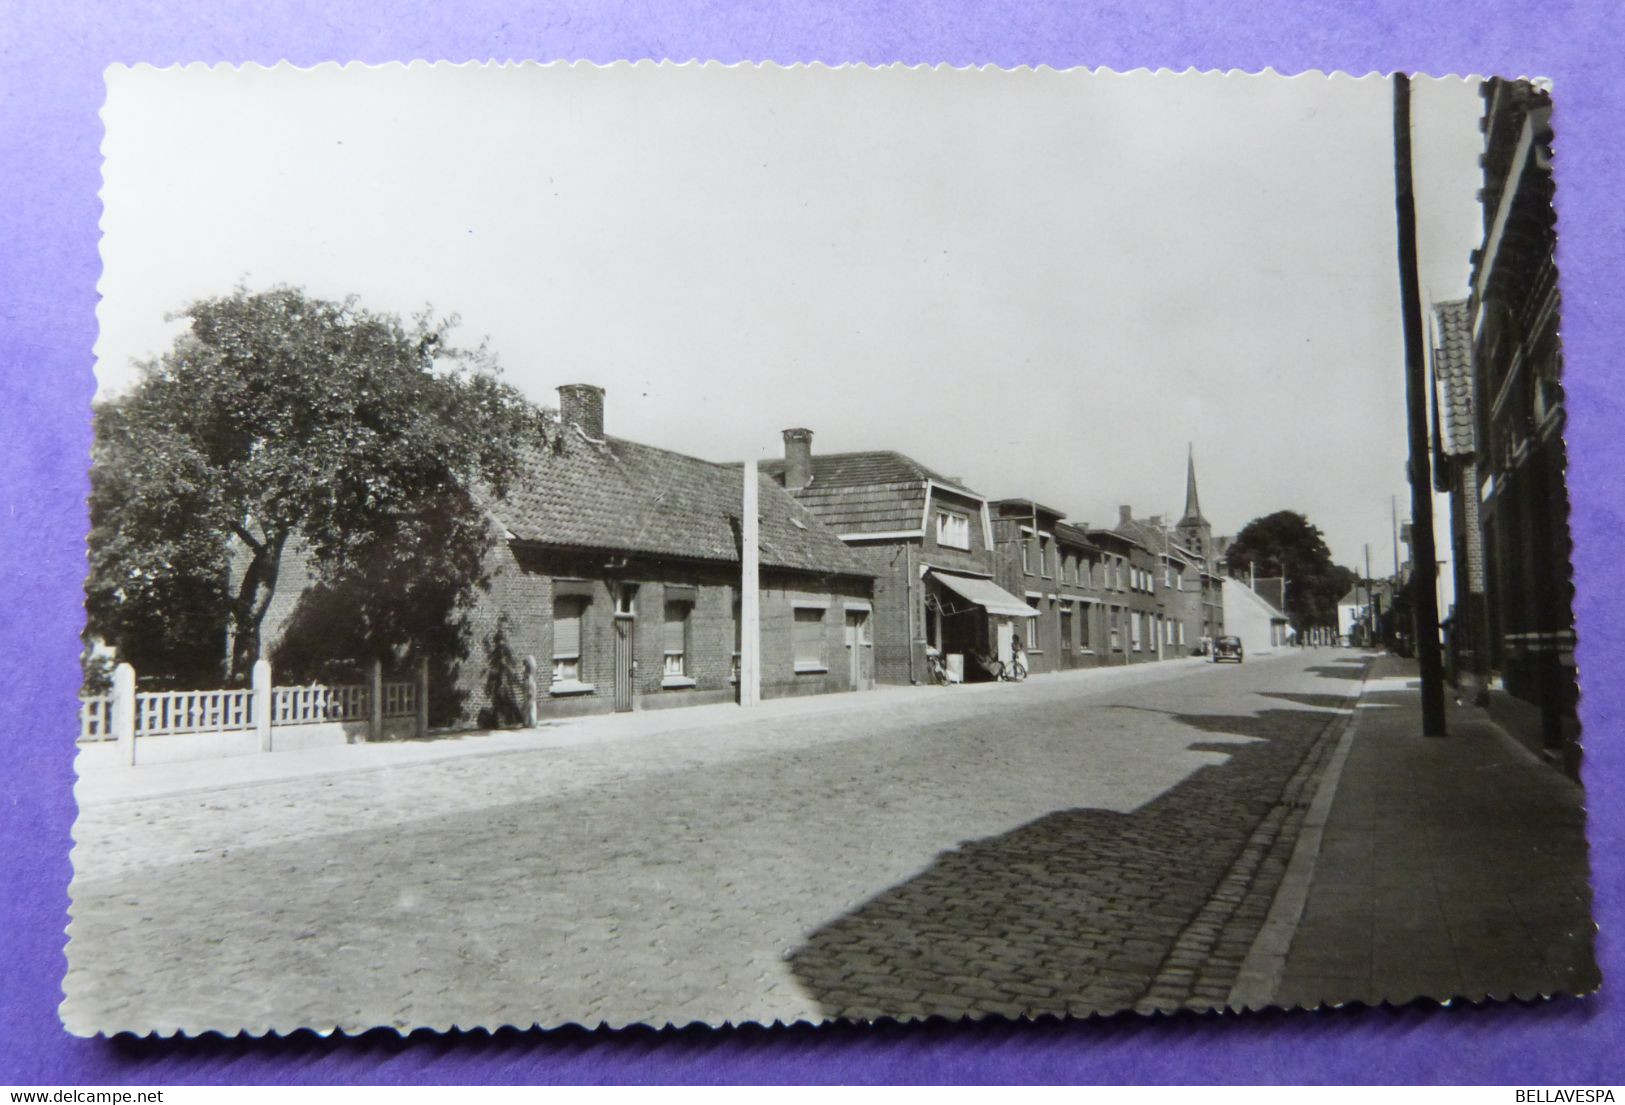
(1468, 493)
(525, 606)
(511, 620)
(894, 625)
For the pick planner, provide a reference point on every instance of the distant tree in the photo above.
(279, 417)
(1287, 544)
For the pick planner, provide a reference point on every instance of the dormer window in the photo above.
(953, 530)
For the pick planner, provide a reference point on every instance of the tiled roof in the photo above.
(1151, 537)
(620, 495)
(1157, 539)
(1453, 366)
(1236, 588)
(1073, 535)
(876, 466)
(1113, 535)
(869, 492)
(1012, 508)
(1272, 589)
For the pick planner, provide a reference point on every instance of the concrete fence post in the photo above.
(261, 704)
(422, 726)
(123, 709)
(375, 702)
(530, 692)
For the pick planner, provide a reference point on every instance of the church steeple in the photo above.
(1194, 531)
(1193, 506)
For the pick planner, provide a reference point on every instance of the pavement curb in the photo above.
(99, 785)
(1259, 979)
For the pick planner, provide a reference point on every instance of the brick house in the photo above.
(615, 585)
(1129, 597)
(927, 539)
(1455, 472)
(1259, 623)
(1081, 593)
(1519, 415)
(1059, 572)
(1189, 598)
(1145, 606)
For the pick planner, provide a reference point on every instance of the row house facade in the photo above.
(1455, 473)
(1100, 597)
(1134, 611)
(1142, 590)
(1192, 596)
(928, 542)
(614, 585)
(1062, 575)
(1504, 454)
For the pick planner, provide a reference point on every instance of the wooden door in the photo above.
(623, 663)
(857, 650)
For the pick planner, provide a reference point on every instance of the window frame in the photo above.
(803, 666)
(566, 665)
(682, 677)
(949, 525)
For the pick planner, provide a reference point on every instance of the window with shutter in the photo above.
(674, 637)
(567, 611)
(809, 639)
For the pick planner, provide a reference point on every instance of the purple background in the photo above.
(51, 62)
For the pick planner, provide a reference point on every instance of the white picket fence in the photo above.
(126, 714)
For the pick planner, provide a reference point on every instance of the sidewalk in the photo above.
(103, 779)
(1446, 867)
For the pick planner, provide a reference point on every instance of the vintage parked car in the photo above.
(1227, 648)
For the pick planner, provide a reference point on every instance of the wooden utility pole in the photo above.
(1425, 566)
(750, 594)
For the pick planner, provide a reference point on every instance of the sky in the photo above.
(1048, 284)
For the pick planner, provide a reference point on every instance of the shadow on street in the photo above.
(1339, 669)
(1074, 912)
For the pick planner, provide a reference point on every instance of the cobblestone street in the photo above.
(1080, 843)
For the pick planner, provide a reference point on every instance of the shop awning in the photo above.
(986, 594)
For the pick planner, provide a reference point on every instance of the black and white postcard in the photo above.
(655, 544)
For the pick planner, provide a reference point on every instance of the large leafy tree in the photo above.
(1287, 543)
(280, 419)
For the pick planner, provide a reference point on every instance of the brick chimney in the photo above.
(583, 405)
(797, 458)
(1125, 515)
